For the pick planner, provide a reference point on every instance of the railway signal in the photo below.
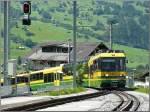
(27, 7)
(26, 20)
(27, 11)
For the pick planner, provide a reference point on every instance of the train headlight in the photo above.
(121, 74)
(106, 75)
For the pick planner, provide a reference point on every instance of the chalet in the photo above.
(52, 54)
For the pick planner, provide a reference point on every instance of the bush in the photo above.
(67, 91)
(28, 33)
(29, 43)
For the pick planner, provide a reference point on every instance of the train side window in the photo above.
(52, 77)
(41, 76)
(37, 76)
(48, 78)
(26, 80)
(99, 64)
(45, 78)
(31, 77)
(12, 80)
(18, 79)
(61, 76)
(22, 79)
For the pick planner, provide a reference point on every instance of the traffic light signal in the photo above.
(26, 20)
(27, 7)
(27, 11)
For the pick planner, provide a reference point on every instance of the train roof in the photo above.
(21, 75)
(34, 72)
(106, 55)
(53, 70)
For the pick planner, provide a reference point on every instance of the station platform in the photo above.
(20, 100)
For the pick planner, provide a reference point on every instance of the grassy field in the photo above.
(135, 56)
(44, 32)
(47, 32)
(142, 90)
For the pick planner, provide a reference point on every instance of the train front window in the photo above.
(112, 64)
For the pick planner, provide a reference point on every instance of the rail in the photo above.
(128, 102)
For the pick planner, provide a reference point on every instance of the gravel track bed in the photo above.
(102, 103)
(143, 98)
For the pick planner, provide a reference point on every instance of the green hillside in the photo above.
(52, 20)
(135, 56)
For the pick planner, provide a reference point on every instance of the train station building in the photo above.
(53, 54)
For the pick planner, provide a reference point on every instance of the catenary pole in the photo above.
(0, 61)
(6, 80)
(74, 42)
(110, 28)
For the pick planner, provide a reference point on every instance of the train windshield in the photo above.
(112, 64)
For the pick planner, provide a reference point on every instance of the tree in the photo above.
(112, 20)
(82, 69)
(46, 15)
(98, 26)
(29, 43)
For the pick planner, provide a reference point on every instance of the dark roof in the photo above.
(53, 43)
(39, 55)
(145, 75)
(84, 50)
(142, 77)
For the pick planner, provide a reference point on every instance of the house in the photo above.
(143, 80)
(52, 54)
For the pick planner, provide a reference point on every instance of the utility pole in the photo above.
(110, 35)
(6, 80)
(69, 50)
(0, 61)
(74, 42)
(9, 18)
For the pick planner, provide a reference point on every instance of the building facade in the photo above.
(53, 54)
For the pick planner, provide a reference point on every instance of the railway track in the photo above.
(128, 102)
(53, 102)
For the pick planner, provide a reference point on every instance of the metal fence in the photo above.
(5, 91)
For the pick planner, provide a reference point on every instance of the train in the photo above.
(41, 78)
(108, 69)
(105, 69)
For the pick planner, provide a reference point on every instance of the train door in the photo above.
(57, 79)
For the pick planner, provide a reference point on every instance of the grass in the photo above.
(135, 56)
(142, 90)
(48, 32)
(62, 92)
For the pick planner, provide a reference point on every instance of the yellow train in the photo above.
(41, 79)
(106, 69)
